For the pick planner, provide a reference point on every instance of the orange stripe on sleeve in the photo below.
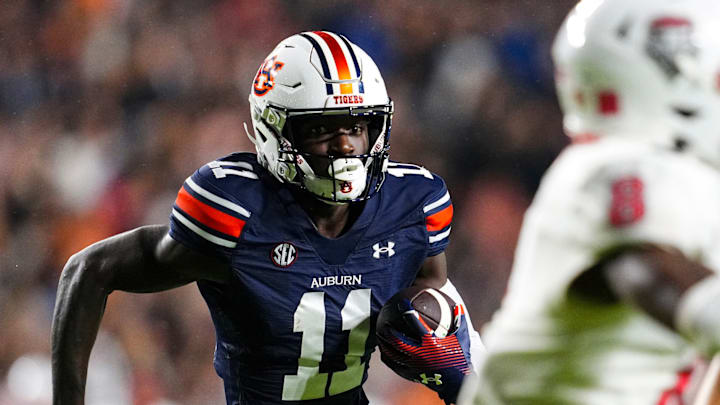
(340, 61)
(209, 216)
(440, 219)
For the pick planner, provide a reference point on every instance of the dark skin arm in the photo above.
(143, 260)
(433, 272)
(651, 277)
(654, 279)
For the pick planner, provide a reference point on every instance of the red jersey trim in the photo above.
(440, 219)
(209, 216)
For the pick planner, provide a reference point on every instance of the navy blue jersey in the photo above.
(297, 321)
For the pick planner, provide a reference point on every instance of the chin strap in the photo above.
(247, 132)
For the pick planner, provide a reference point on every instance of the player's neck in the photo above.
(331, 221)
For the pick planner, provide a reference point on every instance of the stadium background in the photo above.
(107, 105)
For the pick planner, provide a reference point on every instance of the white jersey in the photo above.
(547, 348)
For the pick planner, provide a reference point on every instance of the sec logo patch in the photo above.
(284, 254)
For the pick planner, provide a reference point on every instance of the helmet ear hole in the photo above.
(687, 113)
(680, 144)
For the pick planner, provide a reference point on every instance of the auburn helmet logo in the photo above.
(265, 78)
(284, 254)
(346, 187)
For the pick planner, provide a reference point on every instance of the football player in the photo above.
(614, 292)
(294, 249)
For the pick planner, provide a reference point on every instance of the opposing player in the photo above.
(613, 295)
(294, 249)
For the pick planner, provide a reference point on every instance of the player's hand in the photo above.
(440, 363)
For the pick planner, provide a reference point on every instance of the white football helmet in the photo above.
(313, 74)
(646, 69)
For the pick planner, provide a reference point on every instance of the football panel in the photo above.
(435, 309)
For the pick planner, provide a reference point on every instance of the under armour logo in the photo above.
(385, 249)
(426, 380)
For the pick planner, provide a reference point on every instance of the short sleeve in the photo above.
(205, 215)
(438, 211)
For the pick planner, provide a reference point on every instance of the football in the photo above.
(432, 307)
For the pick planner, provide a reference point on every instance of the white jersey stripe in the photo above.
(440, 236)
(217, 163)
(212, 238)
(242, 173)
(437, 203)
(216, 199)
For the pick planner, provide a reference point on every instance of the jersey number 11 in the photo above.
(309, 382)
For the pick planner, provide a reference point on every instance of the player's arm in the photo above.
(653, 278)
(676, 291)
(433, 272)
(146, 259)
(410, 365)
(657, 278)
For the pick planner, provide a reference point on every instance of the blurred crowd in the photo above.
(106, 106)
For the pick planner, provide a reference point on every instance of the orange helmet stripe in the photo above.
(340, 61)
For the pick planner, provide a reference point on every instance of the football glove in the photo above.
(439, 363)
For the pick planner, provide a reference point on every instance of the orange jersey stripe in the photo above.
(340, 61)
(440, 219)
(209, 216)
